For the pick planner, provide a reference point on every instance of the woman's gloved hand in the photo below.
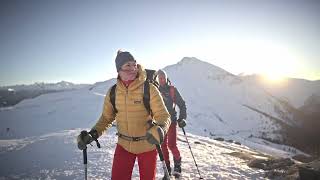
(83, 139)
(182, 123)
(155, 133)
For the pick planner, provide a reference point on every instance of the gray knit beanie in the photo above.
(122, 58)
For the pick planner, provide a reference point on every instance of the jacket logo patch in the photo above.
(137, 101)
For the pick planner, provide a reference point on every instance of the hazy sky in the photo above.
(54, 40)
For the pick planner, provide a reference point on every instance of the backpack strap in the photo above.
(146, 96)
(151, 78)
(173, 95)
(113, 98)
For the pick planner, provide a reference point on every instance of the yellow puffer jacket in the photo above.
(132, 115)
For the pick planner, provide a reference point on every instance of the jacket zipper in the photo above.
(126, 105)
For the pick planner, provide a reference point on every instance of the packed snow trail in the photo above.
(55, 156)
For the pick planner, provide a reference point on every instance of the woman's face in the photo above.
(128, 71)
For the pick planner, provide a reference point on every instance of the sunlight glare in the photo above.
(252, 56)
(273, 78)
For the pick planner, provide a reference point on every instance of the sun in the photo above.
(275, 62)
(273, 78)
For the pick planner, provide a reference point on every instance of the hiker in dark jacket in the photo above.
(171, 98)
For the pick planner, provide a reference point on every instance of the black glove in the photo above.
(155, 133)
(83, 139)
(94, 134)
(182, 123)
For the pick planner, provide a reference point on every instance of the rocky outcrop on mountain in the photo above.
(310, 171)
(287, 168)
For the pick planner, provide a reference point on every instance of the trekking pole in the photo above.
(164, 166)
(85, 162)
(184, 132)
(85, 156)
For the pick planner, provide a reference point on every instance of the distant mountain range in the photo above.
(11, 95)
(295, 91)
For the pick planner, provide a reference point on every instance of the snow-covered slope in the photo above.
(55, 156)
(219, 102)
(39, 133)
(52, 112)
(215, 101)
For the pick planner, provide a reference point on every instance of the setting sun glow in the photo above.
(273, 78)
(272, 60)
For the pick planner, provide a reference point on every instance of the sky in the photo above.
(77, 41)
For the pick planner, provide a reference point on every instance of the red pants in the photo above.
(170, 141)
(123, 162)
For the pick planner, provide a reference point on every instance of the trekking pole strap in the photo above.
(98, 144)
(160, 152)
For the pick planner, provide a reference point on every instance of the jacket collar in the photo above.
(142, 76)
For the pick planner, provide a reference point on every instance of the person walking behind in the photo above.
(172, 97)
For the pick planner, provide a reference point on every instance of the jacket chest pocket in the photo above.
(135, 101)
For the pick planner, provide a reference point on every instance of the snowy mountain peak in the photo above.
(192, 66)
(11, 90)
(192, 61)
(199, 73)
(65, 83)
(189, 60)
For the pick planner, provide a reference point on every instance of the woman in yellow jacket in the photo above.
(136, 138)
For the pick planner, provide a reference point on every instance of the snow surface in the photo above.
(37, 136)
(55, 156)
